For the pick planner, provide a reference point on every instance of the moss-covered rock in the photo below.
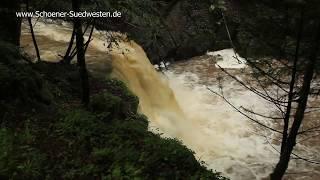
(130, 101)
(116, 101)
(106, 105)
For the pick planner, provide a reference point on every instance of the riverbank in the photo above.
(46, 133)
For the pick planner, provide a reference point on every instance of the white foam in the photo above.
(230, 59)
(219, 135)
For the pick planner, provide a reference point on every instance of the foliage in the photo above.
(218, 5)
(62, 140)
(19, 85)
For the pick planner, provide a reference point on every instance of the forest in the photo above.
(160, 89)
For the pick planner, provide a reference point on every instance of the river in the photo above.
(179, 104)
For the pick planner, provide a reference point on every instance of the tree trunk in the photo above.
(71, 54)
(282, 165)
(32, 33)
(292, 84)
(90, 36)
(81, 54)
(10, 28)
(67, 56)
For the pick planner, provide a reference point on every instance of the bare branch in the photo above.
(233, 106)
(315, 128)
(253, 89)
(305, 159)
(261, 115)
(297, 157)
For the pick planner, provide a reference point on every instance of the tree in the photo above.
(71, 53)
(76, 4)
(32, 32)
(11, 25)
(292, 103)
(67, 56)
(290, 141)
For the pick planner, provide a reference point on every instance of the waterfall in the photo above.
(176, 103)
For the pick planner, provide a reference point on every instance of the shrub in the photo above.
(106, 105)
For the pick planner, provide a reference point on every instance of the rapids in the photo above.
(179, 105)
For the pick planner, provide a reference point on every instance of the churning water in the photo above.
(179, 104)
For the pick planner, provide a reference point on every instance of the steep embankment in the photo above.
(46, 133)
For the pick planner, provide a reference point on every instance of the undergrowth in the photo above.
(46, 133)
